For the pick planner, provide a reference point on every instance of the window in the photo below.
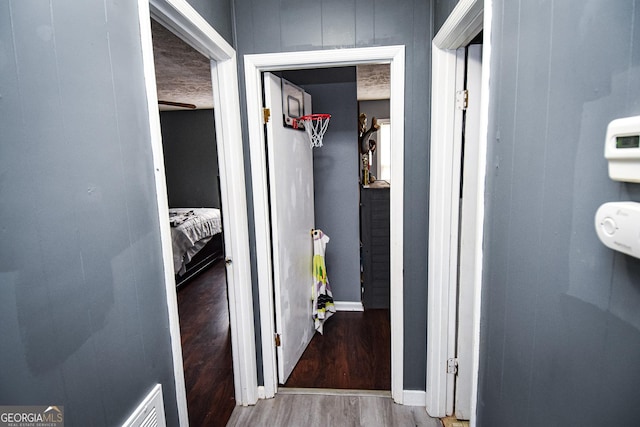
(384, 150)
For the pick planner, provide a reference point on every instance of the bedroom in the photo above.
(185, 98)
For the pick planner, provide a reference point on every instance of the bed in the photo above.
(196, 236)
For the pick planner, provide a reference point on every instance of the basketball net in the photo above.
(315, 125)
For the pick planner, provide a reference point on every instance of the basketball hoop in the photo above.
(315, 125)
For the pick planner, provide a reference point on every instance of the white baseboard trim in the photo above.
(414, 398)
(348, 306)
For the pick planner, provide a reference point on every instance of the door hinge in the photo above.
(277, 339)
(266, 113)
(462, 99)
(452, 366)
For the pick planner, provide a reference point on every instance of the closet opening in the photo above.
(255, 66)
(335, 190)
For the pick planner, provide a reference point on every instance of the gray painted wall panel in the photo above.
(299, 31)
(82, 295)
(560, 310)
(242, 28)
(380, 109)
(190, 158)
(335, 172)
(442, 9)
(218, 13)
(526, 201)
(392, 23)
(272, 30)
(338, 17)
(364, 24)
(9, 87)
(417, 127)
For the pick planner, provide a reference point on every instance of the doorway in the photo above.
(355, 341)
(465, 22)
(185, 98)
(254, 66)
(184, 21)
(470, 61)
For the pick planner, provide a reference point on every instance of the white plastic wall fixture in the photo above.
(618, 226)
(622, 149)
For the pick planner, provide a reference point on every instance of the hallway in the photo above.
(338, 409)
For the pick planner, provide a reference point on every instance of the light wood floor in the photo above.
(310, 410)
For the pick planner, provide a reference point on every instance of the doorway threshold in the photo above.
(334, 392)
(453, 422)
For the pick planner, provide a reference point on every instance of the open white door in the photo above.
(292, 218)
(464, 350)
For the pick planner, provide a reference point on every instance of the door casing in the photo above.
(256, 64)
(467, 19)
(179, 17)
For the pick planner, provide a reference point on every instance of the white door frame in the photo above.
(254, 66)
(463, 24)
(179, 17)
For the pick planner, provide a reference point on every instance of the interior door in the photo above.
(464, 345)
(292, 219)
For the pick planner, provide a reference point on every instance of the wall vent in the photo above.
(150, 413)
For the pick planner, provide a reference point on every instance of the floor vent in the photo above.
(150, 413)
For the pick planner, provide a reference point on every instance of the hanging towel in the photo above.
(321, 295)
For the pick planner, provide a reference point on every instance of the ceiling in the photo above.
(374, 81)
(183, 74)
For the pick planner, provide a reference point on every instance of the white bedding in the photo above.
(191, 229)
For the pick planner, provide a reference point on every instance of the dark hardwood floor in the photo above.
(353, 353)
(206, 347)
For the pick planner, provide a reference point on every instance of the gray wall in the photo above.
(442, 9)
(561, 312)
(190, 158)
(83, 310)
(279, 26)
(379, 108)
(218, 13)
(335, 175)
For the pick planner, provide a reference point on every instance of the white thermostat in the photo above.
(622, 149)
(618, 226)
